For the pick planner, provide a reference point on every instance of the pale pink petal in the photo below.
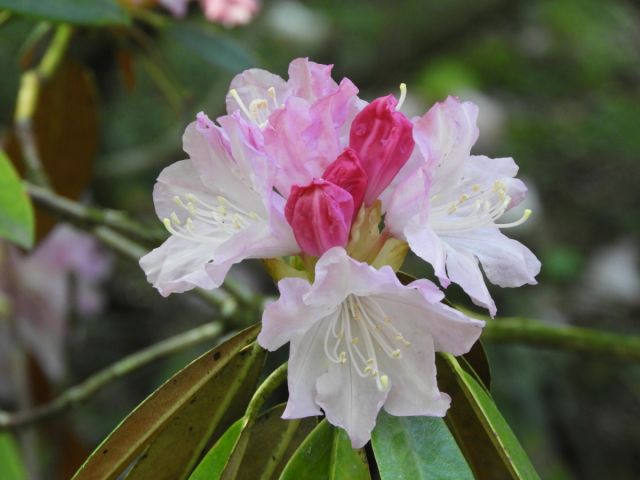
(256, 84)
(445, 134)
(310, 80)
(286, 316)
(230, 13)
(178, 8)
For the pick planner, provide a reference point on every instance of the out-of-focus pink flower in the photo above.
(360, 340)
(448, 208)
(178, 8)
(382, 138)
(230, 12)
(320, 215)
(62, 275)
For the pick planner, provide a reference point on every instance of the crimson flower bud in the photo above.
(383, 140)
(320, 215)
(347, 173)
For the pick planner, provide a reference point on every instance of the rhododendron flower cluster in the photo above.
(337, 190)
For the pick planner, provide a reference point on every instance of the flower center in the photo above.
(478, 208)
(258, 110)
(358, 332)
(226, 216)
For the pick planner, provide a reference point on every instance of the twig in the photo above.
(27, 101)
(81, 392)
(78, 212)
(267, 387)
(567, 338)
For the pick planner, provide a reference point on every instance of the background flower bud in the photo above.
(320, 215)
(382, 138)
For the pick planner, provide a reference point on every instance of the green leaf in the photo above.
(16, 211)
(476, 358)
(327, 454)
(270, 443)
(212, 47)
(177, 448)
(81, 12)
(11, 466)
(488, 444)
(417, 448)
(136, 432)
(212, 465)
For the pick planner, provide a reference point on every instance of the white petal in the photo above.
(414, 315)
(414, 388)
(506, 262)
(463, 269)
(408, 199)
(350, 401)
(179, 265)
(307, 362)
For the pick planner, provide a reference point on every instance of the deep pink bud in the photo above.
(320, 215)
(347, 173)
(382, 138)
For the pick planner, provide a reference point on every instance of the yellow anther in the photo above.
(355, 340)
(396, 353)
(384, 382)
(175, 219)
(189, 225)
(463, 198)
(167, 223)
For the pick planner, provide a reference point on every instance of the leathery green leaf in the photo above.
(16, 211)
(211, 466)
(136, 432)
(83, 12)
(327, 454)
(176, 449)
(414, 448)
(271, 442)
(11, 466)
(483, 435)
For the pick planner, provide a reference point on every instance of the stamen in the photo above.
(234, 93)
(384, 383)
(175, 219)
(525, 216)
(403, 95)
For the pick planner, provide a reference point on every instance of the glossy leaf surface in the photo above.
(82, 12)
(485, 438)
(327, 454)
(16, 212)
(136, 432)
(408, 448)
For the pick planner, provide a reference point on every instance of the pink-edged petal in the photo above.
(408, 199)
(287, 316)
(445, 134)
(414, 388)
(255, 84)
(310, 80)
(506, 262)
(350, 401)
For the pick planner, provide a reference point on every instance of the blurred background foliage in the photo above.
(558, 85)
